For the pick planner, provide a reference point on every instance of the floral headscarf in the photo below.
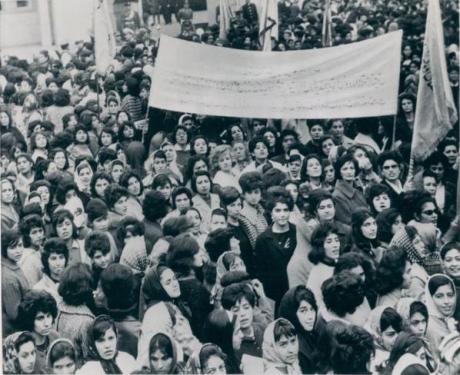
(10, 356)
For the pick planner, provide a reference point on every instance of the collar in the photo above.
(347, 189)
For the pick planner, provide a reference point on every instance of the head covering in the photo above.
(449, 347)
(49, 365)
(427, 232)
(373, 326)
(430, 305)
(177, 354)
(402, 240)
(82, 186)
(10, 356)
(271, 354)
(405, 361)
(109, 365)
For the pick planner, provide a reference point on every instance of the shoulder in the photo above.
(91, 367)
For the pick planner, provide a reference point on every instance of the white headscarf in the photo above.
(429, 302)
(405, 361)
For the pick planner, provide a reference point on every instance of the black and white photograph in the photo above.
(230, 187)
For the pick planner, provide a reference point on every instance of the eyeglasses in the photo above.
(429, 212)
(394, 166)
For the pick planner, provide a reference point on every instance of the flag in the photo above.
(327, 25)
(104, 37)
(435, 113)
(268, 22)
(225, 17)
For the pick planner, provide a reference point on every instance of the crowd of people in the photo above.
(137, 240)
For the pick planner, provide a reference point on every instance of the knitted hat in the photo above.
(118, 284)
(96, 208)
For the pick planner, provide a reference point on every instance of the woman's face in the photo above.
(203, 185)
(181, 137)
(270, 138)
(113, 107)
(60, 160)
(329, 174)
(121, 206)
(314, 168)
(200, 165)
(169, 283)
(407, 106)
(293, 190)
(195, 219)
(41, 141)
(106, 139)
(64, 229)
(451, 153)
(128, 132)
(326, 146)
(306, 315)
(234, 208)
(369, 228)
(451, 263)
(381, 202)
(397, 225)
(81, 136)
(14, 252)
(166, 190)
(85, 176)
(160, 362)
(239, 151)
(169, 152)
(122, 117)
(389, 338)
(100, 186)
(237, 134)
(348, 171)
(26, 357)
(134, 186)
(429, 213)
(430, 185)
(106, 346)
(56, 265)
(332, 246)
(225, 162)
(7, 192)
(200, 146)
(4, 119)
(43, 323)
(363, 160)
(64, 366)
(418, 324)
(288, 349)
(444, 299)
(215, 366)
(326, 210)
(116, 173)
(24, 166)
(261, 151)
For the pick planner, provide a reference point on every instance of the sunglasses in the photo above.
(394, 166)
(429, 212)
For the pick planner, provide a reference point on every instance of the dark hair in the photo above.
(415, 369)
(349, 261)
(129, 224)
(180, 255)
(191, 164)
(290, 304)
(232, 277)
(53, 245)
(218, 242)
(390, 271)
(418, 307)
(162, 343)
(438, 281)
(22, 339)
(389, 155)
(233, 293)
(341, 161)
(436, 158)
(315, 198)
(174, 226)
(390, 318)
(405, 343)
(283, 327)
(33, 302)
(447, 247)
(317, 253)
(55, 151)
(154, 206)
(113, 193)
(9, 238)
(106, 154)
(192, 144)
(62, 189)
(343, 293)
(352, 350)
(250, 181)
(278, 194)
(75, 285)
(59, 217)
(97, 241)
(374, 191)
(27, 224)
(195, 178)
(209, 350)
(253, 143)
(61, 349)
(303, 171)
(161, 180)
(126, 176)
(99, 175)
(108, 130)
(99, 327)
(176, 129)
(385, 221)
(179, 191)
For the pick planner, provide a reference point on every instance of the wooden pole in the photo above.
(393, 136)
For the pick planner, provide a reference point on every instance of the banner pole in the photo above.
(393, 136)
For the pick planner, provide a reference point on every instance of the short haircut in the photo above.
(161, 180)
(343, 293)
(374, 191)
(159, 154)
(75, 284)
(219, 212)
(218, 242)
(63, 188)
(253, 143)
(97, 241)
(389, 155)
(232, 277)
(53, 246)
(233, 294)
(58, 218)
(179, 191)
(341, 161)
(61, 349)
(154, 206)
(317, 253)
(385, 221)
(250, 181)
(315, 198)
(279, 195)
(195, 178)
(22, 339)
(176, 225)
(27, 224)
(33, 302)
(129, 224)
(390, 271)
(9, 238)
(113, 193)
(181, 251)
(391, 318)
(99, 175)
(447, 247)
(283, 327)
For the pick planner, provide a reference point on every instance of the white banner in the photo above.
(353, 80)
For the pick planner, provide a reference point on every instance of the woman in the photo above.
(14, 282)
(195, 164)
(270, 135)
(378, 198)
(203, 200)
(440, 295)
(104, 358)
(406, 117)
(227, 262)
(235, 134)
(82, 176)
(325, 251)
(9, 213)
(163, 311)
(19, 354)
(392, 277)
(299, 306)
(384, 325)
(281, 348)
(180, 138)
(364, 236)
(74, 315)
(347, 198)
(7, 126)
(240, 155)
(133, 183)
(222, 164)
(389, 222)
(61, 357)
(199, 146)
(99, 183)
(209, 359)
(312, 171)
(164, 356)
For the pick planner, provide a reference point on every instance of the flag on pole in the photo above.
(435, 113)
(225, 17)
(327, 25)
(104, 37)
(268, 22)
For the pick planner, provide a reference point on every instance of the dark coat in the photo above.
(347, 200)
(272, 261)
(250, 13)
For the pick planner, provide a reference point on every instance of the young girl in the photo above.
(108, 138)
(312, 171)
(82, 177)
(199, 146)
(99, 183)
(80, 145)
(105, 358)
(39, 146)
(133, 183)
(60, 157)
(117, 168)
(61, 357)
